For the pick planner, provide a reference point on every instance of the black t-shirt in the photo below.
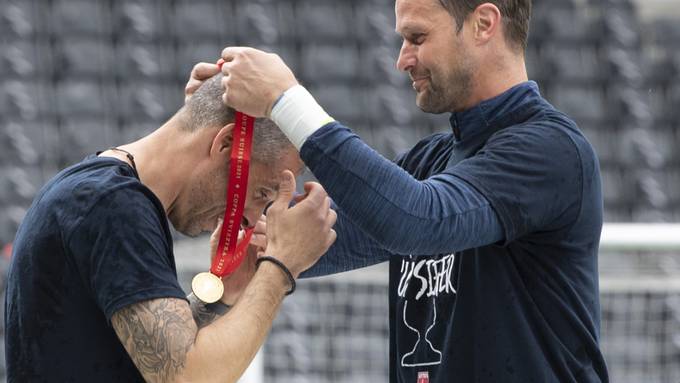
(94, 241)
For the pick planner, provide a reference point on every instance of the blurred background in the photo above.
(78, 76)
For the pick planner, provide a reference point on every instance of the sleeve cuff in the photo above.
(298, 115)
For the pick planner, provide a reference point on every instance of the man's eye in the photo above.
(417, 39)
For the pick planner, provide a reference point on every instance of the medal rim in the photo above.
(207, 276)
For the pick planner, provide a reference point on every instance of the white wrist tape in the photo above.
(298, 115)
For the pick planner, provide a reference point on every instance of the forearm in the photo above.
(223, 349)
(166, 345)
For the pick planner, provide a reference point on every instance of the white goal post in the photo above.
(640, 236)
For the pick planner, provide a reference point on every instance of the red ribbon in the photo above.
(230, 255)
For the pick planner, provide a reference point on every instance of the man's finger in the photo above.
(332, 218)
(203, 71)
(315, 194)
(191, 88)
(258, 240)
(332, 236)
(286, 191)
(260, 227)
(230, 53)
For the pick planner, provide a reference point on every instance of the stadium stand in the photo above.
(77, 76)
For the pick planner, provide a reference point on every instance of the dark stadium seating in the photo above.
(126, 61)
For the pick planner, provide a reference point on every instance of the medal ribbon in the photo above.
(229, 254)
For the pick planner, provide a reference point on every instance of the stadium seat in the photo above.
(579, 102)
(26, 99)
(391, 105)
(605, 140)
(133, 131)
(80, 57)
(323, 21)
(378, 65)
(617, 186)
(639, 146)
(672, 102)
(627, 103)
(81, 98)
(10, 220)
(329, 63)
(618, 26)
(261, 23)
(344, 103)
(375, 23)
(22, 59)
(192, 20)
(144, 60)
(80, 18)
(22, 18)
(19, 184)
(148, 101)
(85, 136)
(578, 62)
(22, 144)
(622, 64)
(561, 22)
(140, 20)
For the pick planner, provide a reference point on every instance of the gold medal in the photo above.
(207, 287)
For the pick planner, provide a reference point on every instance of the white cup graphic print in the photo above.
(423, 353)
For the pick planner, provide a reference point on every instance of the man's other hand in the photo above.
(236, 282)
(200, 73)
(300, 235)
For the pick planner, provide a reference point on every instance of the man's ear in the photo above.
(487, 20)
(221, 144)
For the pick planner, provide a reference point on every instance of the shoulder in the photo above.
(103, 188)
(552, 135)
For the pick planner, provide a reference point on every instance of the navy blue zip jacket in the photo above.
(492, 234)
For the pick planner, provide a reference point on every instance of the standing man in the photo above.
(491, 230)
(93, 294)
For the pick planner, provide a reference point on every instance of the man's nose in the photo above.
(407, 57)
(251, 215)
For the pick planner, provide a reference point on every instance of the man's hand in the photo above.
(300, 235)
(235, 283)
(254, 80)
(200, 73)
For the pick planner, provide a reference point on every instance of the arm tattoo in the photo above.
(157, 335)
(204, 314)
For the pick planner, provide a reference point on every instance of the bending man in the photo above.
(93, 294)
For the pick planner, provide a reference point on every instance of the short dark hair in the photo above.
(205, 109)
(516, 15)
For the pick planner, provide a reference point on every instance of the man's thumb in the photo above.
(286, 190)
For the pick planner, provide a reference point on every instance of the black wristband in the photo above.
(283, 267)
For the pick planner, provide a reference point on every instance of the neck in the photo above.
(164, 159)
(496, 77)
